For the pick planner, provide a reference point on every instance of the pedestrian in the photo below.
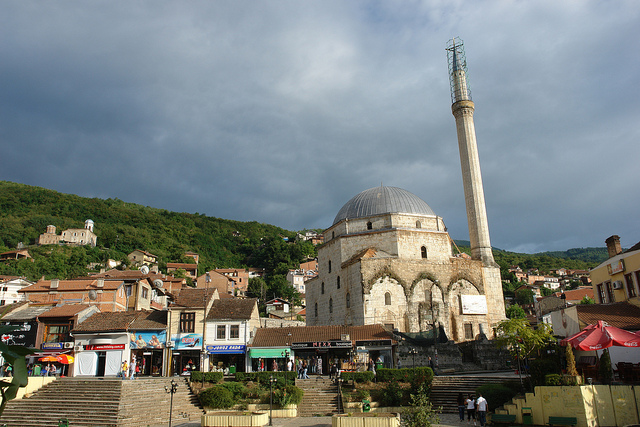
(124, 369)
(304, 370)
(461, 406)
(289, 365)
(471, 409)
(481, 405)
(398, 364)
(274, 366)
(132, 369)
(319, 367)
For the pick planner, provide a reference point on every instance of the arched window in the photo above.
(348, 298)
(423, 251)
(369, 225)
(387, 298)
(338, 282)
(329, 266)
(330, 305)
(418, 224)
(322, 288)
(316, 309)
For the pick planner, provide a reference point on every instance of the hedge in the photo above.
(210, 377)
(359, 377)
(263, 377)
(408, 375)
(217, 397)
(496, 394)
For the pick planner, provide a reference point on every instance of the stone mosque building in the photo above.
(388, 259)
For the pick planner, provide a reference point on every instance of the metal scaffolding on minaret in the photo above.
(463, 108)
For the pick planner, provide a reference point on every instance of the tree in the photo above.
(515, 312)
(524, 296)
(571, 361)
(518, 332)
(420, 412)
(587, 300)
(14, 355)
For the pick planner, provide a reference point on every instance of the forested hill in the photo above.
(25, 212)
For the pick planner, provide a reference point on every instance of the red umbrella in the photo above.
(601, 335)
(64, 359)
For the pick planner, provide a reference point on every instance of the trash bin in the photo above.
(36, 370)
(63, 422)
(527, 417)
(379, 366)
(366, 405)
(232, 369)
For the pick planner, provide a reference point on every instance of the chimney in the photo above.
(100, 283)
(54, 283)
(613, 246)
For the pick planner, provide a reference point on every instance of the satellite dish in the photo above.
(159, 283)
(93, 295)
(144, 269)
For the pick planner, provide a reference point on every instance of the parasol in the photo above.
(64, 359)
(48, 359)
(601, 335)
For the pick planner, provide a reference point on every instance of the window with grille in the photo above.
(187, 322)
(631, 289)
(423, 251)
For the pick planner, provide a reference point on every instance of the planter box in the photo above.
(291, 411)
(226, 419)
(380, 419)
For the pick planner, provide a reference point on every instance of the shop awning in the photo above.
(267, 352)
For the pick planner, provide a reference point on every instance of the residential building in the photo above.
(213, 279)
(186, 331)
(139, 258)
(240, 277)
(618, 278)
(9, 287)
(18, 254)
(231, 325)
(191, 270)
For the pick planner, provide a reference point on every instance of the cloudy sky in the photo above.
(281, 111)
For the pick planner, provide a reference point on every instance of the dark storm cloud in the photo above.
(280, 112)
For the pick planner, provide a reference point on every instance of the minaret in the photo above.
(462, 108)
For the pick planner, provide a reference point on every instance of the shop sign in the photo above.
(321, 344)
(96, 347)
(187, 342)
(147, 339)
(52, 346)
(373, 343)
(24, 335)
(474, 304)
(226, 349)
(616, 267)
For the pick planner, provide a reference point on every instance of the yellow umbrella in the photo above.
(65, 359)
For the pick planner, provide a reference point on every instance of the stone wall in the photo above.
(279, 323)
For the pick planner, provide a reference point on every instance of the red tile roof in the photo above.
(124, 321)
(622, 315)
(66, 310)
(576, 294)
(233, 308)
(192, 297)
(72, 285)
(279, 337)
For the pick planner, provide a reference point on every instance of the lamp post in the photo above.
(340, 408)
(517, 347)
(413, 352)
(172, 388)
(271, 381)
(286, 356)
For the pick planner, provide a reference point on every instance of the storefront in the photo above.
(148, 349)
(186, 353)
(380, 351)
(320, 355)
(266, 359)
(100, 360)
(223, 357)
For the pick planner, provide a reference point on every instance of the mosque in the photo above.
(388, 258)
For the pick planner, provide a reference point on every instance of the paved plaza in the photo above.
(446, 420)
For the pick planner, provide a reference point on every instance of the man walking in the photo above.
(481, 404)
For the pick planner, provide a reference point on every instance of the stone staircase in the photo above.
(320, 397)
(445, 389)
(103, 402)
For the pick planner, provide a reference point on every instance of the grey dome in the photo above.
(381, 200)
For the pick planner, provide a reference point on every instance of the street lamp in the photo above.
(413, 352)
(271, 381)
(517, 347)
(286, 356)
(171, 389)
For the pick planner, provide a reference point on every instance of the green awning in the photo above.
(254, 353)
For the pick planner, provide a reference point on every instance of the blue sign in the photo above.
(52, 346)
(227, 349)
(187, 342)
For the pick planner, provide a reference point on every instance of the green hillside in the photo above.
(121, 227)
